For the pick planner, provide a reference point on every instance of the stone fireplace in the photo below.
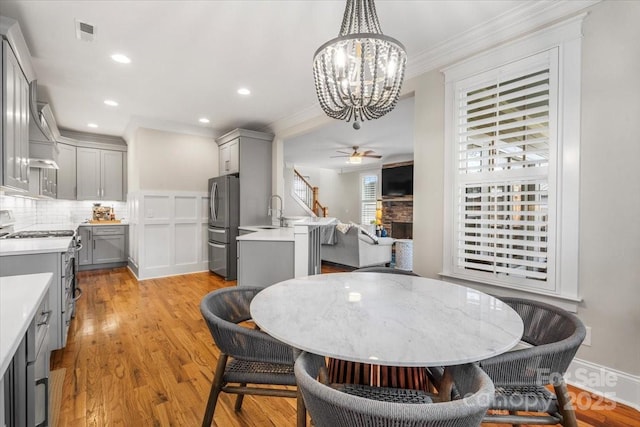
(397, 217)
(402, 230)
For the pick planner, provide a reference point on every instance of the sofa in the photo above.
(356, 249)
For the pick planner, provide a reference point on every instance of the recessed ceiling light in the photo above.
(92, 125)
(244, 91)
(111, 102)
(118, 57)
(203, 120)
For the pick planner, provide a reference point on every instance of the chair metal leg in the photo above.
(216, 387)
(564, 402)
(239, 399)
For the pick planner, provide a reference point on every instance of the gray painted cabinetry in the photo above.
(14, 156)
(248, 154)
(67, 172)
(264, 263)
(103, 246)
(99, 174)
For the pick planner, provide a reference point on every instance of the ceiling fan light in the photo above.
(355, 160)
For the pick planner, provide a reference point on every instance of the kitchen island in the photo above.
(271, 254)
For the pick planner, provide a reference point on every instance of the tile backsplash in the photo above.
(29, 212)
(54, 211)
(24, 210)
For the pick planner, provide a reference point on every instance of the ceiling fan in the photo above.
(357, 156)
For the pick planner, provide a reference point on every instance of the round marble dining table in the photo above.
(387, 319)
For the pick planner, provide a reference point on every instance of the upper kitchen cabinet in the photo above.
(15, 122)
(100, 165)
(229, 157)
(99, 174)
(248, 154)
(67, 172)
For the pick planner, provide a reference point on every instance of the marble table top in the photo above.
(387, 319)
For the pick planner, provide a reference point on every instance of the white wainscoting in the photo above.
(167, 233)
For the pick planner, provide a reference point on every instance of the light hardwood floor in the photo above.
(139, 354)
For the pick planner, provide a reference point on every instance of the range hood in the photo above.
(43, 133)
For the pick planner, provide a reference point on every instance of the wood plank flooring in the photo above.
(139, 354)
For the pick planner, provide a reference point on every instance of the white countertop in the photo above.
(34, 246)
(20, 297)
(387, 319)
(282, 234)
(279, 234)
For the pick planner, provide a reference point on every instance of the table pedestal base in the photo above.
(343, 372)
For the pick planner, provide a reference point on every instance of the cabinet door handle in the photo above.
(94, 244)
(44, 381)
(46, 320)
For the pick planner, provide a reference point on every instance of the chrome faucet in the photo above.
(270, 210)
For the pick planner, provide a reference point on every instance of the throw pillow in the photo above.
(369, 234)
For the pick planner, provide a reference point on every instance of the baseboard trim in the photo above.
(610, 383)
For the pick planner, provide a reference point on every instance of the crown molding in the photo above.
(138, 122)
(532, 15)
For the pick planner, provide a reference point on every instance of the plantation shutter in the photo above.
(369, 184)
(503, 209)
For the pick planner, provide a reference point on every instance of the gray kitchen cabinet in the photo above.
(103, 246)
(43, 182)
(14, 156)
(66, 181)
(263, 263)
(85, 255)
(248, 154)
(230, 157)
(99, 174)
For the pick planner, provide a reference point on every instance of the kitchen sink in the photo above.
(268, 227)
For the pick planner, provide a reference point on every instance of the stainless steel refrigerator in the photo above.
(224, 217)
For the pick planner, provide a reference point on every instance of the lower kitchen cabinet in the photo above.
(263, 263)
(103, 246)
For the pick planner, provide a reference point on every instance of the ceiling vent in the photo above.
(85, 31)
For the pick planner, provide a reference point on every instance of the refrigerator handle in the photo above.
(212, 202)
(215, 203)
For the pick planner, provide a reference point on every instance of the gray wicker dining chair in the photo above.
(247, 356)
(520, 376)
(346, 407)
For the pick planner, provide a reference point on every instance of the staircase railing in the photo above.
(308, 194)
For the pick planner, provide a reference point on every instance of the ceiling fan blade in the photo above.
(343, 152)
(333, 157)
(372, 156)
(368, 152)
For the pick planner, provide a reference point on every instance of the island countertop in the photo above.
(276, 234)
(20, 297)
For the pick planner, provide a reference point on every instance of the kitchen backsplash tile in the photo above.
(73, 211)
(24, 210)
(28, 212)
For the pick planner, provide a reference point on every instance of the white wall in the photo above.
(340, 192)
(167, 198)
(171, 161)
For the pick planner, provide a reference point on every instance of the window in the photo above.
(510, 177)
(368, 194)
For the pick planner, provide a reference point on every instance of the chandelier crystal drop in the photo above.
(359, 74)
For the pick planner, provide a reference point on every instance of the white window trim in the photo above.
(362, 201)
(566, 36)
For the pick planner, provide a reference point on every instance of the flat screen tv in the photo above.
(397, 181)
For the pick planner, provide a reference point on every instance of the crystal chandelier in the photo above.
(358, 75)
